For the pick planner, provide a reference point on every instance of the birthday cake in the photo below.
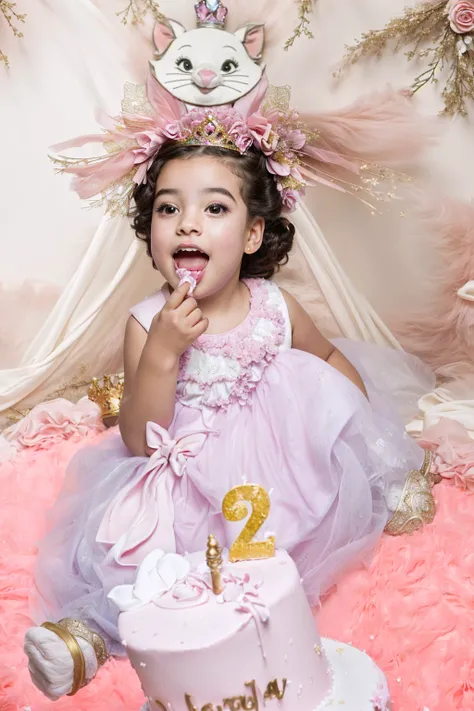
(245, 639)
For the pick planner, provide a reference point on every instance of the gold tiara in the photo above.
(210, 132)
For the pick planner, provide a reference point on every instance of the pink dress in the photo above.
(248, 408)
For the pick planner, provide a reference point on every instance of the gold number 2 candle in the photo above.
(235, 508)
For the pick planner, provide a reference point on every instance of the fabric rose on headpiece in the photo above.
(284, 161)
(461, 16)
(263, 134)
(150, 143)
(289, 199)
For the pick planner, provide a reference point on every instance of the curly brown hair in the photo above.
(259, 192)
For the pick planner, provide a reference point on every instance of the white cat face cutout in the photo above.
(207, 66)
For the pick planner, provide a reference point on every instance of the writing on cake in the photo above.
(243, 702)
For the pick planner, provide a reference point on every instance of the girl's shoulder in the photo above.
(148, 308)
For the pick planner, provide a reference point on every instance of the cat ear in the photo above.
(253, 39)
(165, 33)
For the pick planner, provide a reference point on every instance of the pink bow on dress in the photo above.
(141, 517)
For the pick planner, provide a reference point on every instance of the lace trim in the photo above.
(241, 346)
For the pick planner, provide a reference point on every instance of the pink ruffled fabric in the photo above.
(55, 421)
(454, 452)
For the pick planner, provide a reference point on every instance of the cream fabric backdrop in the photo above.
(68, 276)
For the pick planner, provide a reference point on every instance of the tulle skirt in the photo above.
(331, 461)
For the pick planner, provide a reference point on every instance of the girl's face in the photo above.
(200, 223)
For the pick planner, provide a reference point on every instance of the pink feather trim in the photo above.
(442, 333)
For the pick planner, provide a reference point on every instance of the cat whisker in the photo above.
(239, 76)
(236, 81)
(177, 81)
(175, 74)
(227, 86)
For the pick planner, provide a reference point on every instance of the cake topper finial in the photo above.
(211, 13)
(214, 562)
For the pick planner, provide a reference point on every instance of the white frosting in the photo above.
(185, 277)
(157, 575)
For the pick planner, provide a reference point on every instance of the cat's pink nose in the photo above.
(207, 76)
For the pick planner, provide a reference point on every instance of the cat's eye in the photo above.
(230, 65)
(184, 64)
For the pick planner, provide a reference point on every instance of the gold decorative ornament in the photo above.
(304, 11)
(69, 630)
(137, 10)
(416, 506)
(234, 508)
(80, 629)
(214, 562)
(107, 393)
(210, 132)
(439, 36)
(10, 15)
(79, 674)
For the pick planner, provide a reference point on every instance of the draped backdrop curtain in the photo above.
(68, 275)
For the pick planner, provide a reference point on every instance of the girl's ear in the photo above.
(255, 236)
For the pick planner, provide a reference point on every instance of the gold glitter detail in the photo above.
(426, 29)
(235, 509)
(11, 16)
(135, 100)
(214, 563)
(304, 11)
(340, 650)
(137, 10)
(277, 97)
(318, 649)
(416, 506)
(79, 629)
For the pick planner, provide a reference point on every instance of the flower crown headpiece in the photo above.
(296, 153)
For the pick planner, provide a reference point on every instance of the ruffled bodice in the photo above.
(221, 369)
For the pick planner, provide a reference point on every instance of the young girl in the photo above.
(231, 383)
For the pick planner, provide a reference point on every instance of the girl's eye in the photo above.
(184, 64)
(167, 209)
(217, 209)
(229, 66)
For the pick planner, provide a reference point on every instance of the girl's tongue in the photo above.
(192, 261)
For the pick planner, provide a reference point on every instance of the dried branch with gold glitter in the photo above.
(440, 34)
(11, 17)
(305, 9)
(137, 10)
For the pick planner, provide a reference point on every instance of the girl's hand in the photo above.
(179, 323)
